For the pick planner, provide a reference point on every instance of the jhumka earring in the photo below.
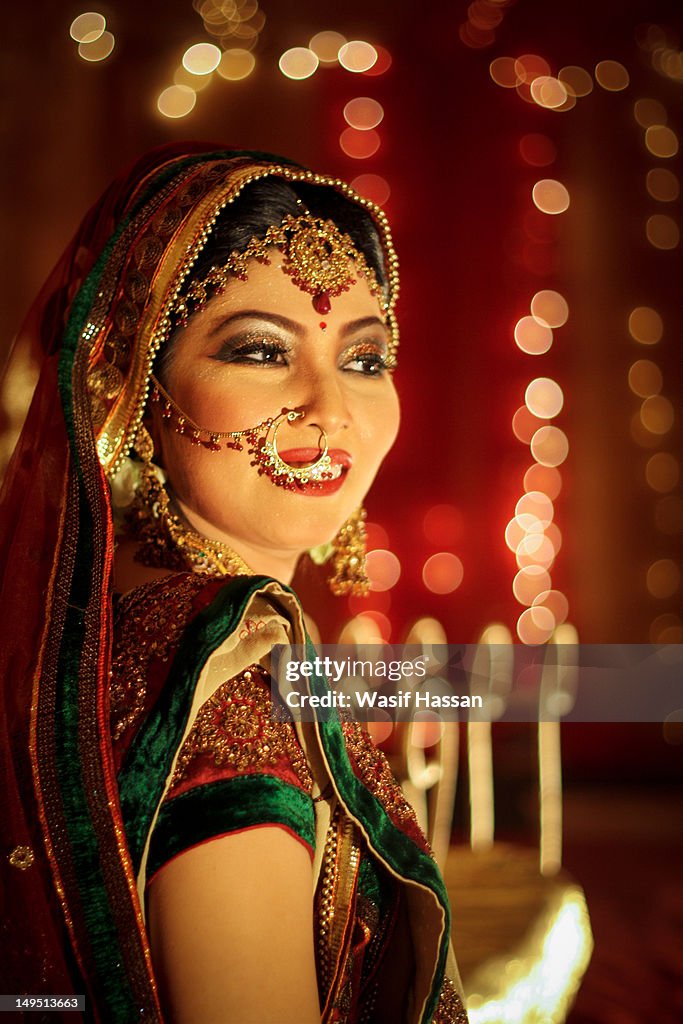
(348, 558)
(261, 440)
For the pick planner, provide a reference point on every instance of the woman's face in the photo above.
(254, 350)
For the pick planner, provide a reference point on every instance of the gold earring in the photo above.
(348, 558)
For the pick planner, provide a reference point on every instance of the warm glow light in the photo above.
(548, 92)
(97, 50)
(442, 573)
(662, 184)
(662, 472)
(657, 414)
(612, 75)
(474, 37)
(176, 101)
(525, 424)
(556, 602)
(550, 196)
(535, 625)
(535, 549)
(529, 583)
(326, 46)
(640, 434)
(363, 113)
(536, 504)
(543, 478)
(359, 145)
(537, 150)
(88, 27)
(667, 629)
(661, 141)
(576, 80)
(530, 66)
(236, 64)
(443, 525)
(550, 307)
(383, 569)
(544, 398)
(381, 65)
(550, 446)
(298, 63)
(645, 325)
(649, 112)
(669, 515)
(663, 578)
(662, 231)
(369, 627)
(532, 336)
(553, 534)
(357, 56)
(373, 187)
(376, 536)
(504, 73)
(202, 58)
(645, 378)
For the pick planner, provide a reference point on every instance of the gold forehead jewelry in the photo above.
(261, 440)
(320, 259)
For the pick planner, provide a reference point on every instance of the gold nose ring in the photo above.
(282, 472)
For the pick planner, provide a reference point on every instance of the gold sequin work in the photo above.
(21, 857)
(450, 1009)
(148, 624)
(235, 728)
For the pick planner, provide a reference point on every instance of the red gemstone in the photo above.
(321, 303)
(323, 325)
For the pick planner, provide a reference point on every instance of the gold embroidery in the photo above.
(21, 857)
(149, 623)
(376, 773)
(450, 1009)
(235, 727)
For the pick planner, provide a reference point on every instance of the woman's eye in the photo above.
(371, 364)
(262, 352)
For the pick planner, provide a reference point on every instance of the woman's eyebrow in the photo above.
(257, 314)
(365, 321)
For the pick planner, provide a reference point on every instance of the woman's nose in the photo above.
(324, 403)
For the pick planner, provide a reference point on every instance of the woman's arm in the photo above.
(231, 929)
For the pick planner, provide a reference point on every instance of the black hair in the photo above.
(267, 202)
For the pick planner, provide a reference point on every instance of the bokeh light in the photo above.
(529, 583)
(181, 76)
(554, 535)
(442, 525)
(503, 71)
(357, 56)
(649, 112)
(383, 569)
(525, 424)
(202, 58)
(612, 75)
(536, 504)
(645, 325)
(176, 101)
(550, 196)
(662, 472)
(657, 414)
(548, 92)
(88, 27)
(662, 231)
(668, 629)
(663, 578)
(381, 65)
(442, 573)
(97, 50)
(236, 64)
(576, 80)
(662, 184)
(363, 113)
(645, 378)
(530, 66)
(360, 145)
(298, 63)
(535, 549)
(669, 515)
(537, 150)
(543, 478)
(550, 446)
(556, 602)
(535, 625)
(550, 307)
(373, 187)
(375, 536)
(661, 141)
(544, 398)
(532, 336)
(326, 46)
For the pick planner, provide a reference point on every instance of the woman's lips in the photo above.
(301, 457)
